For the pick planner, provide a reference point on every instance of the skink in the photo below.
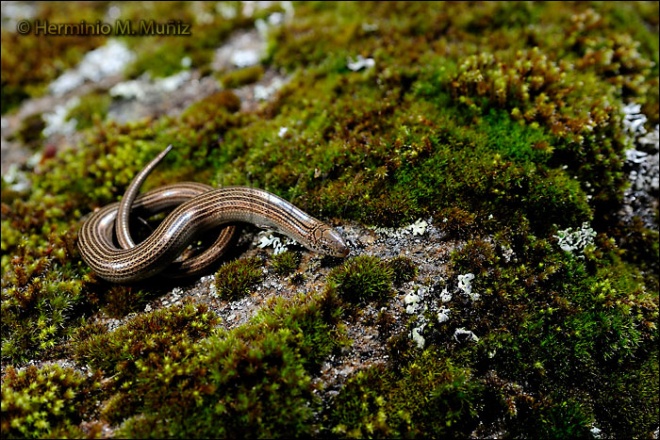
(201, 211)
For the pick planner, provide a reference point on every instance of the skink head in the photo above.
(329, 242)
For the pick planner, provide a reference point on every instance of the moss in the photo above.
(379, 402)
(286, 262)
(641, 247)
(241, 77)
(38, 305)
(234, 279)
(127, 353)
(46, 402)
(403, 269)
(634, 392)
(202, 128)
(122, 348)
(118, 301)
(361, 279)
(92, 108)
(251, 381)
(30, 131)
(163, 61)
(24, 77)
(492, 185)
(556, 417)
(535, 91)
(215, 103)
(564, 331)
(457, 222)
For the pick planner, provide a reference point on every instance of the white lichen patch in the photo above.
(17, 180)
(245, 58)
(279, 245)
(443, 314)
(596, 432)
(173, 82)
(108, 60)
(417, 228)
(445, 295)
(414, 302)
(634, 119)
(411, 301)
(416, 336)
(56, 121)
(144, 88)
(570, 240)
(360, 63)
(465, 285)
(263, 92)
(508, 254)
(463, 335)
(242, 49)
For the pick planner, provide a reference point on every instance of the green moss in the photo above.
(252, 381)
(557, 417)
(634, 392)
(27, 76)
(92, 108)
(457, 222)
(38, 304)
(361, 279)
(30, 131)
(118, 301)
(403, 269)
(286, 262)
(151, 342)
(241, 77)
(561, 335)
(536, 91)
(163, 61)
(379, 402)
(46, 402)
(641, 247)
(122, 349)
(474, 179)
(234, 279)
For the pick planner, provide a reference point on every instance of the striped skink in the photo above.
(199, 208)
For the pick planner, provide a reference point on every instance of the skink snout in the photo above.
(333, 244)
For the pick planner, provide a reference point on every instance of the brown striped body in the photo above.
(198, 210)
